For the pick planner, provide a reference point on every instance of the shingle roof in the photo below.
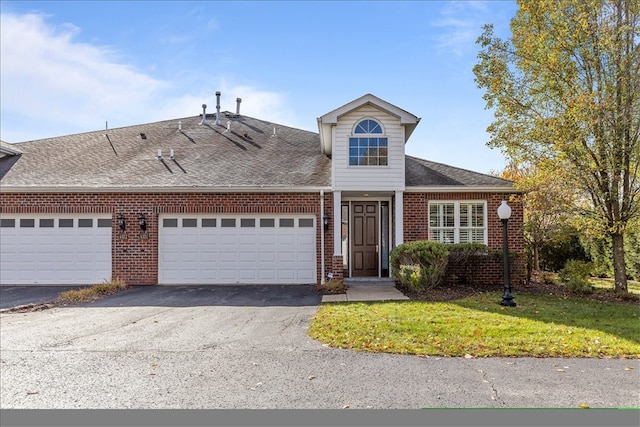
(209, 155)
(425, 173)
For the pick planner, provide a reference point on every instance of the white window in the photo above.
(368, 147)
(458, 222)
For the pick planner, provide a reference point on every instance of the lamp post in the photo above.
(504, 212)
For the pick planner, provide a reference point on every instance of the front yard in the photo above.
(547, 322)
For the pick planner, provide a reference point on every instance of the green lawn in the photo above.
(633, 286)
(478, 326)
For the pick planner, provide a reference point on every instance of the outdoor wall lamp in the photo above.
(504, 213)
(142, 221)
(325, 221)
(121, 222)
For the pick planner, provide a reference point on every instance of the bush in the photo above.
(465, 259)
(419, 265)
(563, 245)
(575, 276)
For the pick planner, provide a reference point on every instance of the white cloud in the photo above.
(461, 24)
(51, 84)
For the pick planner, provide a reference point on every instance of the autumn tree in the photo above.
(566, 88)
(546, 200)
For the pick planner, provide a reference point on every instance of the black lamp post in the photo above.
(504, 213)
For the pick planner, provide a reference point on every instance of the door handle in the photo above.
(376, 248)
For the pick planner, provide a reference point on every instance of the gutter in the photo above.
(191, 189)
(321, 225)
(463, 189)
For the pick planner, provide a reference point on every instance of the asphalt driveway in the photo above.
(172, 296)
(247, 347)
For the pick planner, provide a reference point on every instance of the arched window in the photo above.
(368, 148)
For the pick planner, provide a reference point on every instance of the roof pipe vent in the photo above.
(204, 114)
(238, 101)
(218, 108)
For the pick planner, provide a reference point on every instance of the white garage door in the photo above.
(54, 249)
(234, 249)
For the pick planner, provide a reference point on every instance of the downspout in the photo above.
(321, 237)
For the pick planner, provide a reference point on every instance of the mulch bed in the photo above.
(450, 292)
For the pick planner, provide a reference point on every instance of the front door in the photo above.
(364, 247)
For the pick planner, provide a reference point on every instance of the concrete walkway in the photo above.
(367, 290)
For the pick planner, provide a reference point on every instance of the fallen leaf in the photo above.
(312, 377)
(346, 407)
(583, 406)
(468, 356)
(628, 368)
(32, 392)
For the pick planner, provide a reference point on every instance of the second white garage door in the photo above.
(236, 249)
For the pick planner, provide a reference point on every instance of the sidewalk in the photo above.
(367, 290)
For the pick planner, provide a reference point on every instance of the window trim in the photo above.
(382, 135)
(456, 219)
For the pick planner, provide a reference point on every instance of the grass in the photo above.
(478, 326)
(92, 293)
(633, 286)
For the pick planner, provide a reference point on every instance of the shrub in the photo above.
(575, 276)
(420, 265)
(465, 259)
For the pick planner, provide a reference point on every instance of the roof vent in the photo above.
(238, 101)
(180, 126)
(204, 114)
(143, 135)
(218, 108)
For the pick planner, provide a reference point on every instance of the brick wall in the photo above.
(135, 254)
(416, 227)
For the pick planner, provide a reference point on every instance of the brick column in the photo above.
(336, 267)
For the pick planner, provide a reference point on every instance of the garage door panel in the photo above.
(261, 251)
(49, 254)
(266, 257)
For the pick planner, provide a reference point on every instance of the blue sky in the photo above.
(71, 66)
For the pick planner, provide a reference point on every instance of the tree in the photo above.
(546, 202)
(566, 88)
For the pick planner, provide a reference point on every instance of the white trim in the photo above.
(322, 263)
(399, 218)
(337, 223)
(463, 189)
(193, 189)
(456, 217)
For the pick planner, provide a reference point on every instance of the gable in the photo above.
(7, 149)
(331, 119)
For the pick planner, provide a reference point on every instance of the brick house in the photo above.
(224, 198)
